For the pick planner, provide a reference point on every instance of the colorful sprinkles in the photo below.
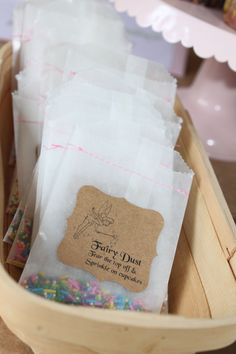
(75, 292)
(13, 202)
(21, 247)
(14, 226)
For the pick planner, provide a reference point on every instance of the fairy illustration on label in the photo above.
(98, 220)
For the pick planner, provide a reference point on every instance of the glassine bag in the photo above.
(43, 28)
(20, 249)
(145, 183)
(28, 126)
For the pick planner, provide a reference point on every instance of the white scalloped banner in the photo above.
(180, 21)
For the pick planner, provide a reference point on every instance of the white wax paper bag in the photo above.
(20, 249)
(159, 188)
(137, 71)
(49, 28)
(125, 106)
(54, 135)
(28, 125)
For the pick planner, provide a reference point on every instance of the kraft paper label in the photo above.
(111, 238)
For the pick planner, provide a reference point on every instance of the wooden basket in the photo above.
(202, 290)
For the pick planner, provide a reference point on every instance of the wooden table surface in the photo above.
(9, 344)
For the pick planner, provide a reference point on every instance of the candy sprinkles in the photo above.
(13, 202)
(23, 241)
(76, 292)
(14, 226)
(21, 246)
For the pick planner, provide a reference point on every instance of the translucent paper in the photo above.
(146, 180)
(20, 249)
(94, 91)
(43, 32)
(28, 125)
(135, 71)
(44, 26)
(88, 112)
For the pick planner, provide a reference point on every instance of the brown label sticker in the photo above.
(111, 238)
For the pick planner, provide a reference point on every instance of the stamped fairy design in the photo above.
(99, 221)
(111, 239)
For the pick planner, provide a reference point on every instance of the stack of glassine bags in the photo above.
(89, 113)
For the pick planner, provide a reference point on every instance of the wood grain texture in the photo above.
(6, 136)
(184, 282)
(215, 273)
(194, 153)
